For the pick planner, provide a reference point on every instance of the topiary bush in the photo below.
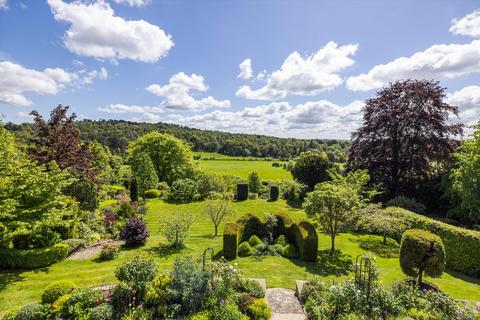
(32, 258)
(242, 191)
(251, 225)
(254, 241)
(152, 193)
(135, 232)
(274, 192)
(281, 240)
(244, 249)
(289, 251)
(422, 252)
(306, 240)
(56, 290)
(230, 240)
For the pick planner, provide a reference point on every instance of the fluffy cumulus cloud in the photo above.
(245, 69)
(3, 4)
(95, 31)
(122, 108)
(445, 61)
(468, 25)
(468, 102)
(177, 94)
(133, 3)
(15, 80)
(310, 119)
(305, 76)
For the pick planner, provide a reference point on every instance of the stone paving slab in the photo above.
(284, 304)
(299, 287)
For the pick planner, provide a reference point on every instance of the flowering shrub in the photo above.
(134, 232)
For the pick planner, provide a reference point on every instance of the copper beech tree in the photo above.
(58, 140)
(406, 135)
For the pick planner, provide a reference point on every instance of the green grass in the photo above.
(242, 168)
(18, 288)
(219, 156)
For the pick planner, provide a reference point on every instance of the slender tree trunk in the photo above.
(384, 239)
(332, 250)
(216, 229)
(420, 276)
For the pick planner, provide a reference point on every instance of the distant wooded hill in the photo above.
(117, 133)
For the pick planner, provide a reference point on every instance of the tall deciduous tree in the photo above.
(466, 175)
(144, 172)
(311, 168)
(58, 140)
(171, 157)
(405, 135)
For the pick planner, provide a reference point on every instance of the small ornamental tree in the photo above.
(422, 252)
(218, 209)
(175, 228)
(332, 207)
(134, 232)
(311, 168)
(254, 183)
(144, 171)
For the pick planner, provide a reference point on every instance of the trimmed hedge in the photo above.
(242, 191)
(32, 258)
(274, 192)
(462, 246)
(306, 240)
(251, 225)
(230, 240)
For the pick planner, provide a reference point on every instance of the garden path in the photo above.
(92, 251)
(285, 305)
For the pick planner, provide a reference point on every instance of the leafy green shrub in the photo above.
(281, 240)
(134, 232)
(227, 311)
(254, 241)
(11, 314)
(244, 249)
(242, 191)
(81, 302)
(175, 228)
(102, 312)
(204, 315)
(289, 251)
(152, 193)
(251, 225)
(422, 251)
(183, 190)
(407, 203)
(33, 311)
(158, 297)
(252, 288)
(274, 192)
(109, 252)
(259, 310)
(32, 258)
(293, 191)
(230, 240)
(74, 244)
(252, 196)
(56, 290)
(263, 249)
(137, 272)
(121, 297)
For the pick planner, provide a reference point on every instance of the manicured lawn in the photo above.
(18, 288)
(242, 168)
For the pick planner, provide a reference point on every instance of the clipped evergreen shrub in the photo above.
(251, 225)
(281, 240)
(274, 192)
(152, 193)
(56, 290)
(254, 241)
(422, 252)
(306, 240)
(289, 251)
(242, 191)
(244, 249)
(32, 258)
(230, 240)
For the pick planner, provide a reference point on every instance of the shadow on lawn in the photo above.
(8, 277)
(164, 250)
(328, 264)
(463, 277)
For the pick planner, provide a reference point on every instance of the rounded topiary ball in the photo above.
(282, 240)
(244, 249)
(422, 252)
(254, 241)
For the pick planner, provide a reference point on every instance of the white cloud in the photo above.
(133, 3)
(309, 120)
(305, 76)
(15, 80)
(177, 93)
(122, 108)
(437, 62)
(245, 69)
(95, 31)
(468, 25)
(468, 102)
(3, 4)
(26, 115)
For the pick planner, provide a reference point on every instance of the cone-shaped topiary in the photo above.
(282, 240)
(244, 249)
(289, 251)
(422, 252)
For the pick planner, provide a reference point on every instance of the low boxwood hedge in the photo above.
(32, 258)
(230, 240)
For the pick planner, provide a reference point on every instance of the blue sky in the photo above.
(311, 63)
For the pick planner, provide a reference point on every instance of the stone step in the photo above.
(284, 304)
